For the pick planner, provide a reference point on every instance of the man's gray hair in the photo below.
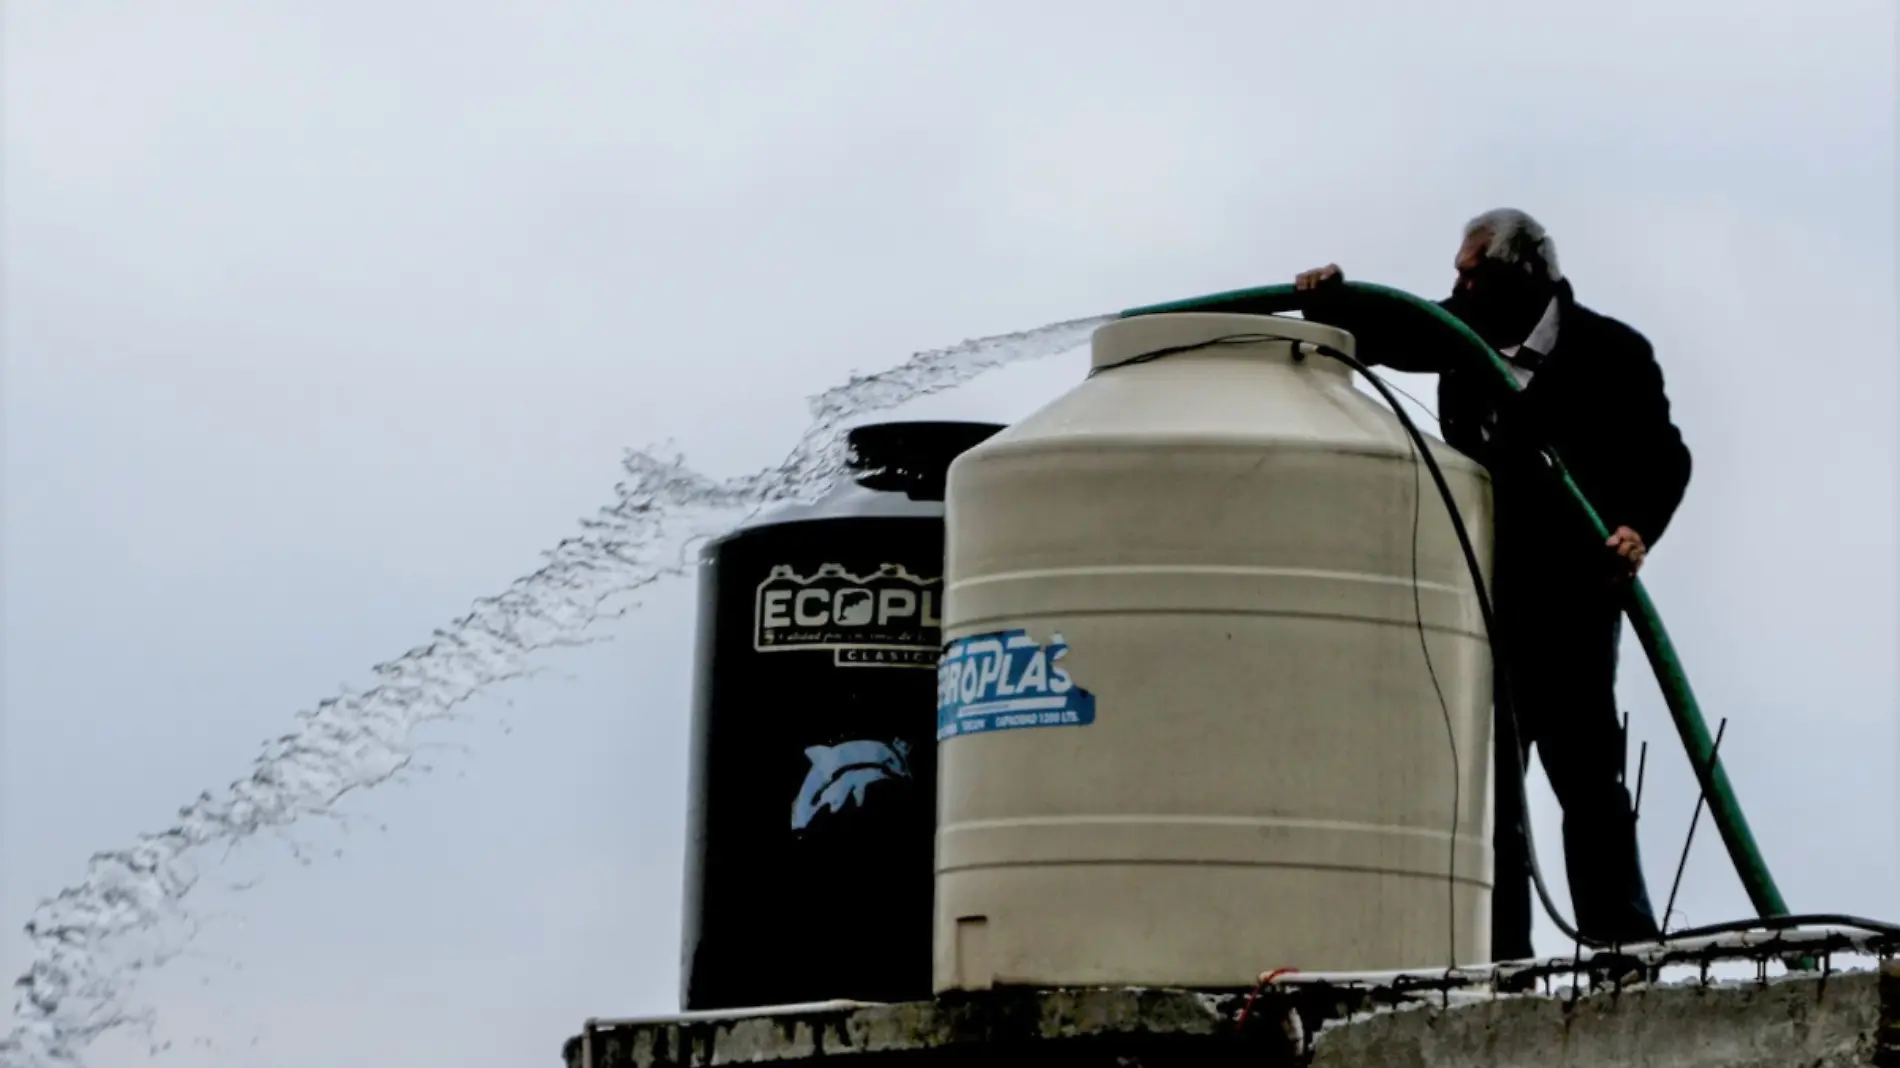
(1513, 237)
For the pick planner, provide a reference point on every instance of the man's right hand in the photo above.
(1306, 281)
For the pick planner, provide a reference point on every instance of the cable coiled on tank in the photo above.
(1503, 698)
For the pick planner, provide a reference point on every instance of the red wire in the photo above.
(1265, 979)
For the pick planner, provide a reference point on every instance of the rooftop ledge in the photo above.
(1811, 1020)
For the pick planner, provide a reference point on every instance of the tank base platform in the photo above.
(1847, 1018)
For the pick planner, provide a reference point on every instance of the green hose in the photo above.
(1648, 625)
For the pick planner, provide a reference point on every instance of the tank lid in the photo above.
(1130, 338)
(912, 458)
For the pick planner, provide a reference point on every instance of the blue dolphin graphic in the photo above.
(842, 773)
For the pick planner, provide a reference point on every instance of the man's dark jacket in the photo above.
(1597, 400)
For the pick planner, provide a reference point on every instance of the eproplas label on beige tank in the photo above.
(1007, 680)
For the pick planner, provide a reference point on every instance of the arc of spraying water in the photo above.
(91, 941)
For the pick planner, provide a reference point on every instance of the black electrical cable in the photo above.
(1444, 709)
(1760, 923)
(1503, 698)
(1193, 346)
(1782, 923)
(1418, 610)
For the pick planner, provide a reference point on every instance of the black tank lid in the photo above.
(892, 470)
(910, 458)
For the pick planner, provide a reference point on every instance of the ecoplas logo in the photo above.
(889, 616)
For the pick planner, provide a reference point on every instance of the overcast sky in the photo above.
(321, 320)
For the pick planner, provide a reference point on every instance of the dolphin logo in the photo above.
(852, 608)
(842, 773)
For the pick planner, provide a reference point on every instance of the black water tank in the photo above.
(812, 814)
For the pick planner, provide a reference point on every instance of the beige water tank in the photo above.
(1187, 728)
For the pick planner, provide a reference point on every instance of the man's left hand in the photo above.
(1629, 548)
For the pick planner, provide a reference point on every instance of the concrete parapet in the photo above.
(1849, 1018)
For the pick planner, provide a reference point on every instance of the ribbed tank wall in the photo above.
(813, 771)
(1188, 730)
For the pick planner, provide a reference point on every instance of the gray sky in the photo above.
(324, 319)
